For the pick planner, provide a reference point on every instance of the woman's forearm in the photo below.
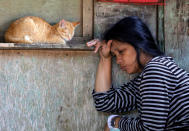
(103, 75)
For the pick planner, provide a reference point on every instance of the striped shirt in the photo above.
(160, 94)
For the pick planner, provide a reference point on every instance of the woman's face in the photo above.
(126, 56)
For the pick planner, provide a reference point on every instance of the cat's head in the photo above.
(66, 29)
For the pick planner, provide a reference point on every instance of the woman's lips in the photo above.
(122, 67)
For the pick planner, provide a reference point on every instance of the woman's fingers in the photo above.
(98, 45)
(92, 42)
(95, 43)
(109, 43)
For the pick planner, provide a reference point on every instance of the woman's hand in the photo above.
(115, 120)
(102, 47)
(106, 128)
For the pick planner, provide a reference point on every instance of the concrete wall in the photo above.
(47, 90)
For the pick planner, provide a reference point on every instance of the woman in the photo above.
(160, 92)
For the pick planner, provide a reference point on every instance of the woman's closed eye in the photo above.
(121, 52)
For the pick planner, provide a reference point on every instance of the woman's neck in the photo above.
(145, 58)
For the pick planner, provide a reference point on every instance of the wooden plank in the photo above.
(160, 28)
(176, 31)
(107, 14)
(88, 18)
(78, 43)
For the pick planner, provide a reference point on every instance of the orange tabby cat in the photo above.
(33, 29)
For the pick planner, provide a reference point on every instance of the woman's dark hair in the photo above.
(134, 31)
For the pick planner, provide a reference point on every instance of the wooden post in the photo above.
(160, 27)
(88, 18)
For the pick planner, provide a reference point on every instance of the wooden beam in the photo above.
(78, 44)
(88, 18)
(160, 27)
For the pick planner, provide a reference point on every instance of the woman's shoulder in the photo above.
(158, 66)
(164, 62)
(164, 65)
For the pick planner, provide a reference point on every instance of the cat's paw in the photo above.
(64, 43)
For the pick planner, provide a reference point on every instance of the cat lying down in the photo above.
(32, 29)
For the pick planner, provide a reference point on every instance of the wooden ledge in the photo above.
(77, 43)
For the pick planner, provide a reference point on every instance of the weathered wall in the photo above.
(107, 14)
(177, 31)
(47, 90)
(50, 10)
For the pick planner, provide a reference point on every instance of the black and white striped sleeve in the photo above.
(116, 100)
(154, 106)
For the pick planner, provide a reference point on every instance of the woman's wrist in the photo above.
(106, 59)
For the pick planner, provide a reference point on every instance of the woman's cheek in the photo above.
(129, 61)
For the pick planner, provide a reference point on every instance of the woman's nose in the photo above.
(118, 60)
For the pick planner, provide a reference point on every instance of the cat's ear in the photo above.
(75, 23)
(62, 23)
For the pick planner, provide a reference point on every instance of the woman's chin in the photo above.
(130, 71)
(127, 71)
